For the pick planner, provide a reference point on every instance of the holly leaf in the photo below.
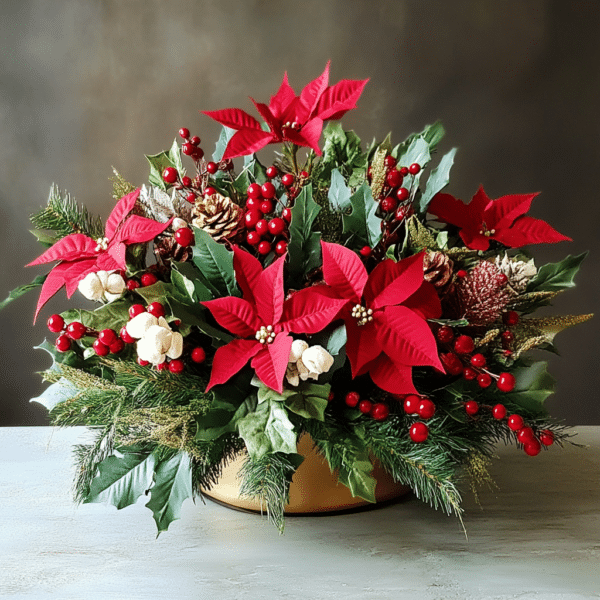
(226, 134)
(110, 316)
(339, 193)
(158, 163)
(357, 477)
(56, 393)
(223, 417)
(362, 224)
(432, 134)
(175, 157)
(438, 179)
(555, 277)
(533, 385)
(121, 480)
(172, 485)
(310, 401)
(186, 280)
(22, 290)
(341, 149)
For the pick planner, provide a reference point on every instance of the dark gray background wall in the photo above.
(88, 84)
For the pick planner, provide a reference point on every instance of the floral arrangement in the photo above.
(336, 293)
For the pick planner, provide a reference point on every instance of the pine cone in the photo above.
(219, 216)
(437, 268)
(518, 272)
(168, 249)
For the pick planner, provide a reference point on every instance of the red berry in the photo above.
(287, 214)
(212, 167)
(170, 175)
(411, 404)
(365, 251)
(142, 362)
(403, 171)
(402, 194)
(445, 334)
(471, 407)
(100, 349)
(184, 237)
(507, 338)
(426, 409)
(262, 226)
(510, 318)
(281, 247)
(188, 149)
(380, 411)
(55, 323)
(484, 380)
(499, 411)
(63, 343)
(304, 174)
(389, 204)
(452, 363)
(272, 172)
(156, 309)
(198, 154)
(117, 346)
(253, 203)
(195, 140)
(107, 337)
(198, 355)
(253, 238)
(191, 198)
(389, 161)
(393, 178)
(546, 437)
(76, 330)
(352, 399)
(125, 336)
(365, 406)
(506, 382)
(403, 212)
(264, 248)
(515, 422)
(268, 190)
(176, 366)
(135, 310)
(132, 284)
(331, 397)
(148, 279)
(414, 168)
(532, 448)
(162, 366)
(254, 191)
(461, 273)
(252, 217)
(266, 207)
(276, 226)
(186, 181)
(184, 132)
(478, 361)
(287, 179)
(469, 374)
(209, 191)
(419, 432)
(464, 344)
(525, 435)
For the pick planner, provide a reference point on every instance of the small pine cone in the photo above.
(218, 216)
(518, 272)
(168, 249)
(437, 268)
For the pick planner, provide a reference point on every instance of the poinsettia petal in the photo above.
(308, 136)
(71, 247)
(502, 212)
(310, 311)
(235, 118)
(248, 141)
(273, 123)
(474, 240)
(269, 293)
(231, 359)
(404, 335)
(234, 314)
(311, 93)
(77, 272)
(449, 209)
(137, 230)
(527, 230)
(393, 282)
(123, 208)
(392, 377)
(271, 363)
(247, 272)
(343, 271)
(105, 262)
(362, 346)
(118, 251)
(338, 99)
(425, 302)
(280, 102)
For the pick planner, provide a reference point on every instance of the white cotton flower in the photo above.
(291, 374)
(91, 287)
(149, 353)
(157, 338)
(107, 285)
(317, 360)
(138, 326)
(176, 348)
(298, 347)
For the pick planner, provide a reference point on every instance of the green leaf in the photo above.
(417, 152)
(362, 224)
(71, 359)
(358, 478)
(341, 149)
(186, 279)
(432, 134)
(215, 263)
(226, 134)
(533, 385)
(172, 485)
(175, 157)
(56, 393)
(43, 237)
(22, 290)
(122, 480)
(438, 179)
(193, 314)
(223, 417)
(110, 316)
(304, 250)
(555, 277)
(158, 163)
(310, 401)
(339, 193)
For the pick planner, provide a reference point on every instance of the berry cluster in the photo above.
(146, 280)
(425, 409)
(377, 410)
(510, 319)
(107, 341)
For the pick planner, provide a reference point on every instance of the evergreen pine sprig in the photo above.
(63, 216)
(211, 457)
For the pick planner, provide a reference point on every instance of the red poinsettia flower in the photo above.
(291, 118)
(502, 220)
(262, 320)
(385, 316)
(79, 254)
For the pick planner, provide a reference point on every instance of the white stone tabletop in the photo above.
(535, 537)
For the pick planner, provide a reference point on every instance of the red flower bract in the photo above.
(502, 220)
(79, 254)
(291, 118)
(396, 337)
(263, 308)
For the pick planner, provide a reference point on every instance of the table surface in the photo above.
(536, 536)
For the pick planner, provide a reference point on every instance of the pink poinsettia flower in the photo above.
(385, 316)
(263, 320)
(291, 118)
(503, 220)
(79, 254)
